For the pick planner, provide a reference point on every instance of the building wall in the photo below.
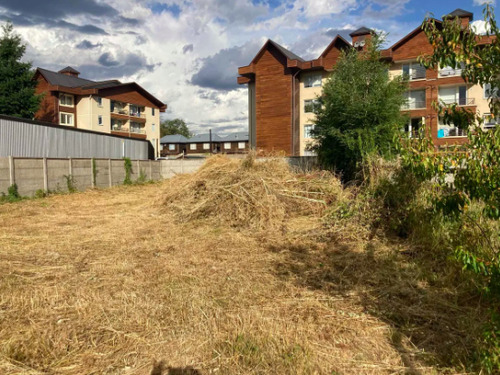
(273, 97)
(308, 93)
(88, 112)
(153, 133)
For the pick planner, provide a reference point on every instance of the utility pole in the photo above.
(210, 140)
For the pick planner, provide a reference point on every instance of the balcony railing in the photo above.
(414, 105)
(119, 128)
(120, 111)
(137, 114)
(138, 130)
(450, 72)
(417, 74)
(460, 101)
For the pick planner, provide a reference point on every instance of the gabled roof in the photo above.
(460, 13)
(59, 79)
(409, 36)
(361, 31)
(233, 137)
(205, 137)
(174, 138)
(64, 80)
(69, 69)
(337, 39)
(288, 54)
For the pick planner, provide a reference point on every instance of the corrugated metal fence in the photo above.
(33, 139)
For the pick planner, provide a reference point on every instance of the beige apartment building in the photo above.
(283, 89)
(112, 107)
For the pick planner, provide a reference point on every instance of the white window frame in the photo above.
(66, 115)
(152, 111)
(313, 102)
(98, 99)
(313, 80)
(307, 130)
(100, 121)
(227, 145)
(206, 146)
(241, 145)
(63, 97)
(193, 146)
(465, 101)
(153, 128)
(413, 68)
(487, 94)
(409, 105)
(171, 147)
(410, 131)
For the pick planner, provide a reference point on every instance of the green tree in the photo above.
(360, 113)
(175, 126)
(17, 87)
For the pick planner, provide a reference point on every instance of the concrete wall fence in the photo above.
(50, 174)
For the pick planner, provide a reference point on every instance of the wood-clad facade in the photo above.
(282, 86)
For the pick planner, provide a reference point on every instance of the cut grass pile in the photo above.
(156, 279)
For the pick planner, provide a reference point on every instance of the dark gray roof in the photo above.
(287, 53)
(175, 138)
(361, 31)
(102, 84)
(69, 69)
(204, 138)
(460, 13)
(59, 79)
(233, 137)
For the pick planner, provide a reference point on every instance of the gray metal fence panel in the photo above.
(21, 138)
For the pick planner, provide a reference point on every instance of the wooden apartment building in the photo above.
(283, 89)
(112, 107)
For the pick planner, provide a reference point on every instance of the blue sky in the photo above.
(186, 52)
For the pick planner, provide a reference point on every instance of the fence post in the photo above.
(92, 172)
(150, 169)
(12, 173)
(70, 165)
(138, 162)
(45, 176)
(110, 173)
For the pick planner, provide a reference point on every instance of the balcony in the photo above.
(120, 128)
(462, 102)
(137, 130)
(414, 105)
(137, 115)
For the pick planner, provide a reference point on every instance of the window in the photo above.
(313, 80)
(192, 146)
(490, 122)
(227, 146)
(66, 100)
(489, 92)
(449, 131)
(171, 147)
(413, 71)
(449, 71)
(98, 99)
(307, 130)
(416, 99)
(136, 127)
(153, 128)
(241, 145)
(413, 127)
(99, 120)
(311, 105)
(152, 111)
(66, 118)
(206, 146)
(455, 95)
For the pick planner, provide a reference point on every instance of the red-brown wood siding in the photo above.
(48, 110)
(128, 95)
(273, 96)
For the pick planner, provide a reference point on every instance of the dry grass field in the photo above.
(118, 282)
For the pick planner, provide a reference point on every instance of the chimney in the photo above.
(465, 17)
(69, 71)
(360, 37)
